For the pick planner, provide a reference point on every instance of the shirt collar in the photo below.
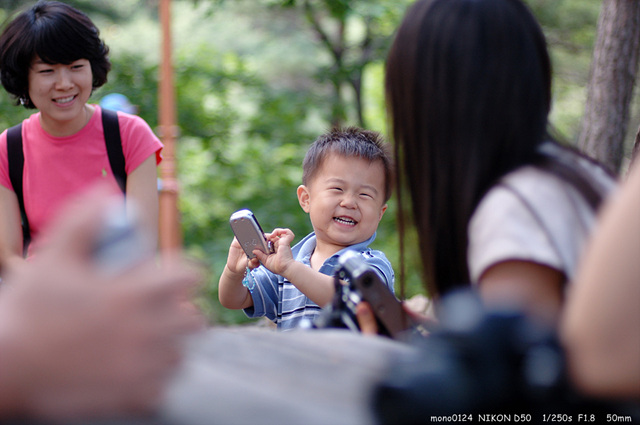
(307, 245)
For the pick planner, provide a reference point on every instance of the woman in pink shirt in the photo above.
(51, 59)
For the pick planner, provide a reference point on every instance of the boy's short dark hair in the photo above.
(349, 142)
(56, 33)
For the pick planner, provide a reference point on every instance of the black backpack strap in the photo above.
(15, 156)
(114, 147)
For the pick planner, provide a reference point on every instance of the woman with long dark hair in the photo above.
(496, 201)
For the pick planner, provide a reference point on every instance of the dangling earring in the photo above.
(23, 100)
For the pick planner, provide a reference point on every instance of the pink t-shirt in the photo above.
(55, 168)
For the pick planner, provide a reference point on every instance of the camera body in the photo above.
(356, 281)
(479, 363)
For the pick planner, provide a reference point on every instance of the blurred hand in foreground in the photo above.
(79, 343)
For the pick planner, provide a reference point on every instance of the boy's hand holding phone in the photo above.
(236, 279)
(281, 259)
(237, 260)
(273, 250)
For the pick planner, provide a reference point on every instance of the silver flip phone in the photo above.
(249, 233)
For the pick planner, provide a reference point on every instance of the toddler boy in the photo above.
(346, 185)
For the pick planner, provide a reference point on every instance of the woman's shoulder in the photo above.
(532, 214)
(31, 121)
(128, 123)
(594, 171)
(518, 219)
(526, 183)
(541, 186)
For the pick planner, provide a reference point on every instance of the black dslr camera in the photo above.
(356, 281)
(485, 365)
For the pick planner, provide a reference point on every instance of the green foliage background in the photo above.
(254, 89)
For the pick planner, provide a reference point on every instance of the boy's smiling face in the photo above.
(345, 200)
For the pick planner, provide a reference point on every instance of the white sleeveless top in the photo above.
(532, 215)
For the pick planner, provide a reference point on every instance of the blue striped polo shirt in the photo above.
(280, 301)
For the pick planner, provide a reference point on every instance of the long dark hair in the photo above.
(468, 85)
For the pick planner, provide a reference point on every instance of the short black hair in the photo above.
(349, 142)
(56, 33)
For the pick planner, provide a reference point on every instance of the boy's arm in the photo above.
(319, 287)
(231, 293)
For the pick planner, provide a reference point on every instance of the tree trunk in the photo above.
(613, 72)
